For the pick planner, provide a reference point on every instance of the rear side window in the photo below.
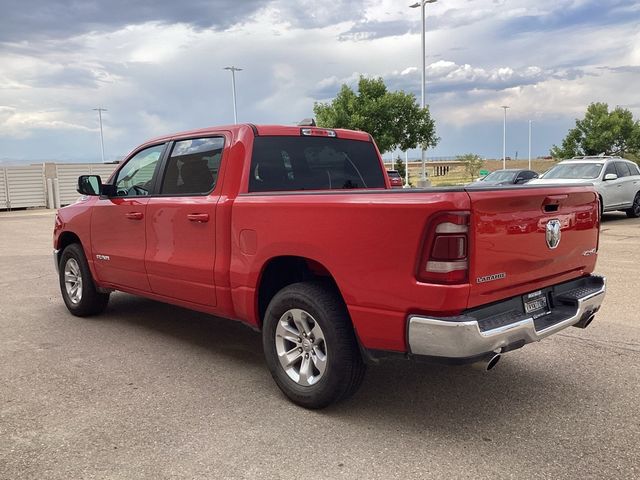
(313, 163)
(192, 167)
(623, 169)
(634, 169)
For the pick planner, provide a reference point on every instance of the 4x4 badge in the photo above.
(553, 234)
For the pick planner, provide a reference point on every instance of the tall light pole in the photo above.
(233, 71)
(100, 110)
(406, 168)
(529, 144)
(504, 138)
(422, 4)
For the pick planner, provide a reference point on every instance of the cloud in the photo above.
(445, 77)
(38, 19)
(157, 66)
(20, 124)
(369, 30)
(313, 14)
(575, 14)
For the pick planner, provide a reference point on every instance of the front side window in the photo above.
(611, 168)
(137, 176)
(527, 175)
(192, 168)
(313, 163)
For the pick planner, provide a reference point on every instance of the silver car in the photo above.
(617, 180)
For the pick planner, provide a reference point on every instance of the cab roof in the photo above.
(263, 130)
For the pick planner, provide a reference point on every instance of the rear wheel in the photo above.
(310, 347)
(76, 284)
(634, 211)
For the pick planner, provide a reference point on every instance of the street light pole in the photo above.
(100, 110)
(529, 144)
(422, 4)
(233, 71)
(504, 138)
(406, 168)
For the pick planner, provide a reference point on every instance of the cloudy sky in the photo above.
(157, 66)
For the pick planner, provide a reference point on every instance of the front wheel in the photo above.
(310, 346)
(76, 284)
(634, 211)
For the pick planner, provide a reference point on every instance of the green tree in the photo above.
(601, 131)
(472, 164)
(394, 119)
(400, 167)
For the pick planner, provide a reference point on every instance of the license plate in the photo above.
(536, 305)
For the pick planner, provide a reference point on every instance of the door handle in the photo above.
(198, 217)
(134, 215)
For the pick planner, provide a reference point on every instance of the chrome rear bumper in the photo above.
(467, 336)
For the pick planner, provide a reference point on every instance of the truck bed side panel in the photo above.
(369, 242)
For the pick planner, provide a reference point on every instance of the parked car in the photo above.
(617, 181)
(395, 179)
(287, 229)
(509, 176)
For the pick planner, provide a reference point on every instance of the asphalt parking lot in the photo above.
(148, 390)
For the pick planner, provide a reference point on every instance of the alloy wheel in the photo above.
(301, 347)
(73, 281)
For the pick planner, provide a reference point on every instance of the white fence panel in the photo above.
(68, 173)
(26, 187)
(3, 188)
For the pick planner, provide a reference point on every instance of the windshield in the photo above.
(393, 174)
(499, 176)
(575, 171)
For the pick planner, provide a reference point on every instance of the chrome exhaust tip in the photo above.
(585, 322)
(493, 361)
(488, 362)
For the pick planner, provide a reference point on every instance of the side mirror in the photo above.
(89, 185)
(610, 176)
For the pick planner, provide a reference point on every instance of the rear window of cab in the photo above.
(313, 163)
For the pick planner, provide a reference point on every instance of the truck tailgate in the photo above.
(513, 239)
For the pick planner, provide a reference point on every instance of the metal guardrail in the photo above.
(22, 187)
(66, 178)
(45, 185)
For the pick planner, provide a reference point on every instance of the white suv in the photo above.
(617, 180)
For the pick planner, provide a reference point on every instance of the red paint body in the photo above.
(208, 253)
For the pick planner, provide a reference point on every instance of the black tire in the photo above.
(634, 211)
(601, 208)
(91, 301)
(344, 369)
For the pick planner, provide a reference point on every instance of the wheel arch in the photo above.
(65, 239)
(280, 271)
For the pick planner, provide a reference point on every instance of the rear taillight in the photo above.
(445, 250)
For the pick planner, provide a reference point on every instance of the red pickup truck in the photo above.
(290, 230)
